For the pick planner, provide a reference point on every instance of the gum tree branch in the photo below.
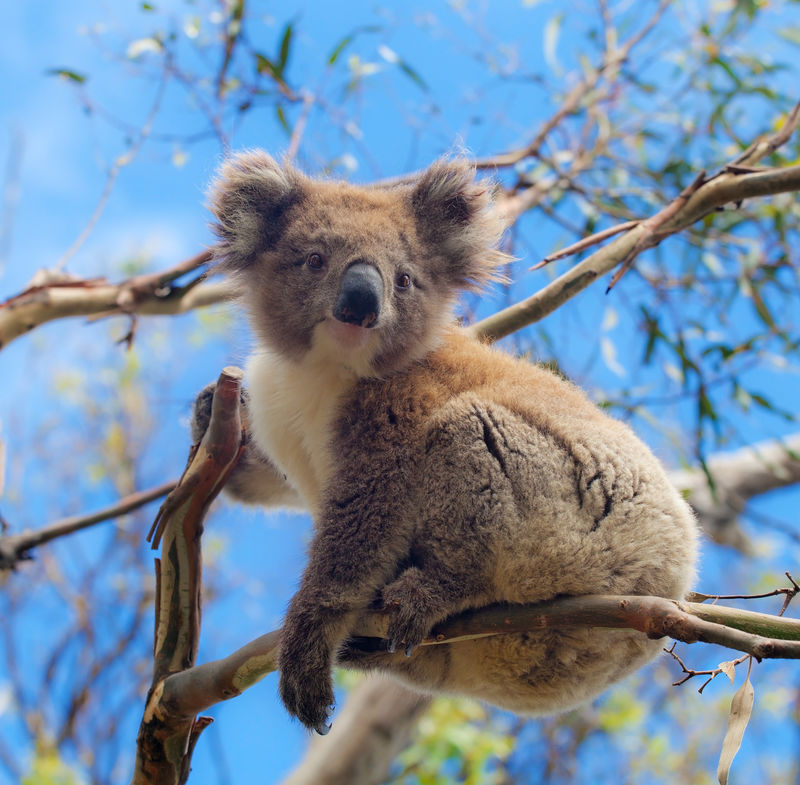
(57, 296)
(165, 741)
(733, 184)
(16, 547)
(738, 477)
(762, 635)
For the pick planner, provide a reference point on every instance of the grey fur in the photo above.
(441, 474)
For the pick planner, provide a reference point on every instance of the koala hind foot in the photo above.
(411, 601)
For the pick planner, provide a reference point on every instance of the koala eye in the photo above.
(403, 281)
(315, 261)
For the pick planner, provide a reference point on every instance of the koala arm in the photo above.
(360, 539)
(255, 480)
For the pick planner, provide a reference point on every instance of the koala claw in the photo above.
(323, 728)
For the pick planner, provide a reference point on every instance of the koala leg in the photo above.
(255, 480)
(454, 549)
(415, 601)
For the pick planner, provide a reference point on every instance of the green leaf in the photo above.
(282, 119)
(286, 42)
(67, 74)
(552, 31)
(412, 74)
(265, 66)
(791, 34)
(340, 47)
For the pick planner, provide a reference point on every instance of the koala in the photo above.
(441, 473)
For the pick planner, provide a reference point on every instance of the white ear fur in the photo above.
(249, 198)
(455, 213)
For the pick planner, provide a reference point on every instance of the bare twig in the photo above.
(613, 59)
(119, 164)
(788, 592)
(232, 35)
(16, 547)
(712, 674)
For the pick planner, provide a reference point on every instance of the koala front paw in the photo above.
(201, 410)
(306, 687)
(407, 600)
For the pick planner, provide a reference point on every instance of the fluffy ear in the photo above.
(250, 198)
(455, 216)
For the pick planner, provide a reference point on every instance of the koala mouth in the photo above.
(349, 336)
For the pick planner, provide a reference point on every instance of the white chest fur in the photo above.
(292, 407)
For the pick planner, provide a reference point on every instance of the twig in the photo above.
(650, 235)
(120, 162)
(16, 547)
(690, 673)
(232, 35)
(299, 127)
(612, 59)
(586, 242)
(717, 191)
(788, 592)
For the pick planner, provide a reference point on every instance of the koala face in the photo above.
(365, 277)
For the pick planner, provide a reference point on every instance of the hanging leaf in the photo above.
(286, 42)
(552, 31)
(67, 74)
(282, 119)
(729, 669)
(741, 708)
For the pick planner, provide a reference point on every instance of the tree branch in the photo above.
(731, 185)
(165, 741)
(57, 296)
(738, 477)
(16, 547)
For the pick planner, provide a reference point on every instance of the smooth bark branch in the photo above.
(738, 477)
(16, 547)
(166, 739)
(733, 184)
(373, 727)
(759, 634)
(152, 294)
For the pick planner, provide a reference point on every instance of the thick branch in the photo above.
(152, 295)
(732, 185)
(165, 741)
(372, 728)
(198, 688)
(738, 477)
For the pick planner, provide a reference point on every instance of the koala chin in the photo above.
(442, 474)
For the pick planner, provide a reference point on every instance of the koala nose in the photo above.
(360, 295)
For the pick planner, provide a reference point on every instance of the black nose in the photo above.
(360, 294)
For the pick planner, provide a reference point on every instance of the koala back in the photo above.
(519, 490)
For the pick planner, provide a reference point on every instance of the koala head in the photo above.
(364, 277)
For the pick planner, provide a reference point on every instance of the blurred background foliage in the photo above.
(697, 347)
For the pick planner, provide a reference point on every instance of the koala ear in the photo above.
(455, 216)
(250, 199)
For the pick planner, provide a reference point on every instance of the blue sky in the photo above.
(156, 212)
